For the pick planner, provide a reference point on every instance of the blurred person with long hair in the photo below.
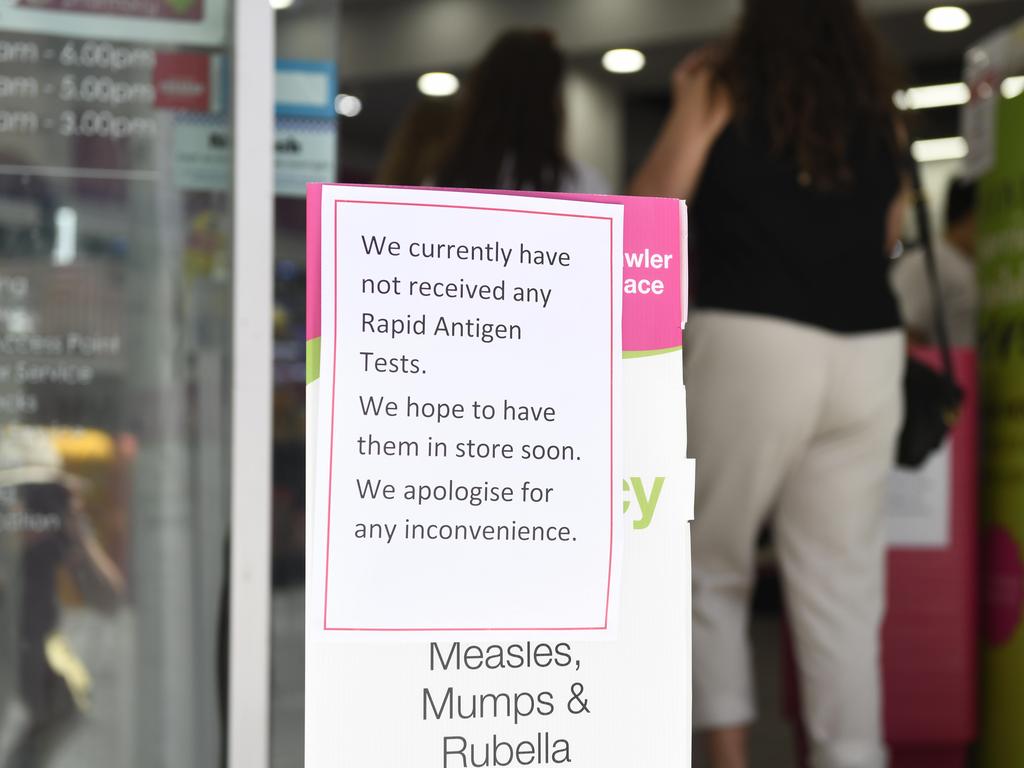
(510, 124)
(785, 139)
(416, 147)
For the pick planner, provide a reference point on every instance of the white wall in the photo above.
(595, 126)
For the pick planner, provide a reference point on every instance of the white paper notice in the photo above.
(918, 504)
(468, 475)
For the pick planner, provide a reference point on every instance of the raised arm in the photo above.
(95, 574)
(700, 111)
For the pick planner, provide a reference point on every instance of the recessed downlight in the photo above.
(438, 84)
(347, 105)
(933, 96)
(623, 61)
(932, 150)
(1012, 87)
(947, 18)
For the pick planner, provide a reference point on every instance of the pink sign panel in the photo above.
(654, 268)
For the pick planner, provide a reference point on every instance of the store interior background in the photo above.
(382, 47)
(141, 220)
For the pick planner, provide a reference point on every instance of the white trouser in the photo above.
(788, 419)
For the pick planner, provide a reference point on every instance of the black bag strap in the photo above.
(932, 269)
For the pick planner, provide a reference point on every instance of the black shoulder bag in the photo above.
(932, 398)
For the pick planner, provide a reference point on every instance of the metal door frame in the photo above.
(253, 43)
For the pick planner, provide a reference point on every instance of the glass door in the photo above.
(116, 381)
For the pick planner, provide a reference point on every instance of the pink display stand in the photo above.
(930, 638)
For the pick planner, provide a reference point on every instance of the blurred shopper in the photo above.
(414, 152)
(958, 283)
(509, 130)
(53, 533)
(785, 140)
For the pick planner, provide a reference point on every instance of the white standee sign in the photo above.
(497, 538)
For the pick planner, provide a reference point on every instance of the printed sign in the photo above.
(455, 475)
(1000, 260)
(306, 130)
(918, 504)
(187, 81)
(178, 22)
(304, 149)
(986, 66)
(497, 542)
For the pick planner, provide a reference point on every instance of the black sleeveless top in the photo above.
(764, 243)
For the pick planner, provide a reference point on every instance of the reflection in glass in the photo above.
(115, 270)
(46, 510)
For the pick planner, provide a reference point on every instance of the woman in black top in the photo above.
(786, 142)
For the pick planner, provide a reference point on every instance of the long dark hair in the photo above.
(814, 71)
(510, 123)
(414, 150)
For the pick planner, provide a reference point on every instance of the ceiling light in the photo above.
(932, 96)
(1013, 87)
(623, 61)
(438, 84)
(947, 18)
(347, 105)
(931, 150)
(280, 5)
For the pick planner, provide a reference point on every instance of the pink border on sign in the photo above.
(611, 402)
(314, 196)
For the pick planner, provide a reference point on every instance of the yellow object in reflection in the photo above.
(206, 250)
(83, 445)
(65, 663)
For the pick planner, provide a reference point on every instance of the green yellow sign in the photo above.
(1001, 281)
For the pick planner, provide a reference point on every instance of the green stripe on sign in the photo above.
(651, 352)
(312, 360)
